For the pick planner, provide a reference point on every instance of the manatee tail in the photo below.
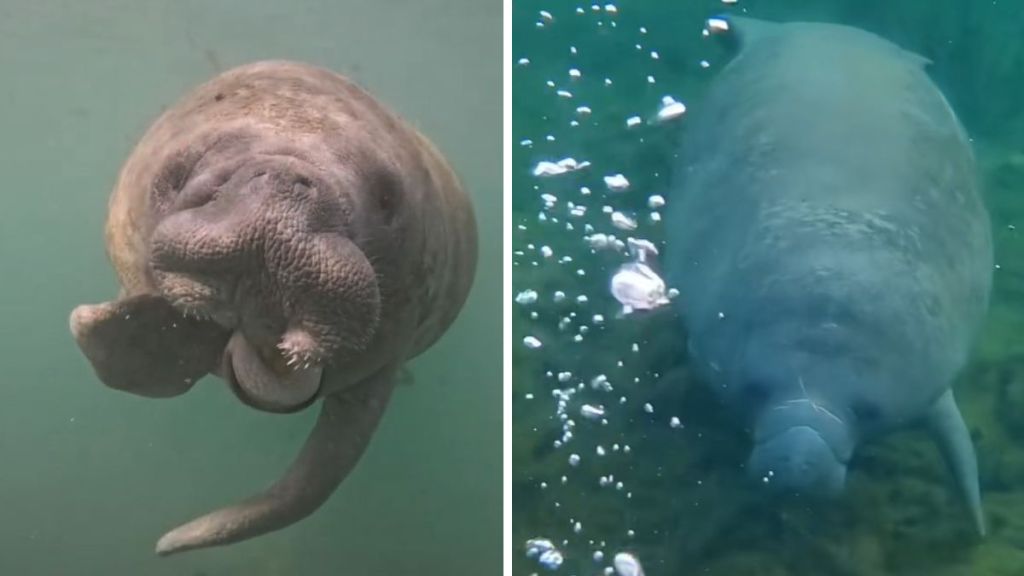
(337, 441)
(954, 440)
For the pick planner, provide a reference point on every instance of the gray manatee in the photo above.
(281, 229)
(831, 249)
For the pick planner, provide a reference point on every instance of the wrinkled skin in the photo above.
(282, 230)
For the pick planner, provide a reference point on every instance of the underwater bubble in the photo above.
(655, 217)
(574, 460)
(656, 201)
(616, 183)
(717, 25)
(627, 565)
(654, 55)
(640, 248)
(611, 8)
(583, 110)
(546, 251)
(552, 559)
(633, 121)
(532, 342)
(623, 222)
(577, 527)
(546, 15)
(523, 61)
(564, 94)
(637, 287)
(648, 408)
(598, 556)
(574, 73)
(674, 422)
(728, 1)
(536, 546)
(705, 64)
(597, 241)
(600, 450)
(546, 168)
(591, 412)
(650, 79)
(559, 297)
(670, 109)
(600, 382)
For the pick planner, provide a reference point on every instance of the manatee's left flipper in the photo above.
(347, 422)
(143, 345)
(954, 440)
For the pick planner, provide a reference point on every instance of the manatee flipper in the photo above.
(143, 345)
(954, 440)
(346, 423)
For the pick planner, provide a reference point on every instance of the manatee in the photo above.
(280, 229)
(831, 249)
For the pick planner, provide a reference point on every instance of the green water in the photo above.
(89, 477)
(685, 506)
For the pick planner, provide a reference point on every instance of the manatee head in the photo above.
(801, 447)
(267, 244)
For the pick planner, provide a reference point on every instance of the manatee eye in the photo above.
(386, 202)
(385, 189)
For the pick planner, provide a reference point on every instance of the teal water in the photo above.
(89, 477)
(684, 505)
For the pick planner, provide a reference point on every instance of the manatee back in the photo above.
(826, 231)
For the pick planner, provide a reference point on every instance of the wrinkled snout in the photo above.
(265, 255)
(798, 460)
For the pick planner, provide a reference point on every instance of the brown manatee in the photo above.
(281, 229)
(832, 250)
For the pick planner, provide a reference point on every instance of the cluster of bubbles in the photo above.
(596, 229)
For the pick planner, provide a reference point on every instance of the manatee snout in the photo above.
(269, 255)
(798, 460)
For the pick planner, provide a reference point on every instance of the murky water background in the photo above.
(616, 449)
(89, 477)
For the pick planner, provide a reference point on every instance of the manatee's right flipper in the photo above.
(954, 440)
(143, 345)
(347, 422)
